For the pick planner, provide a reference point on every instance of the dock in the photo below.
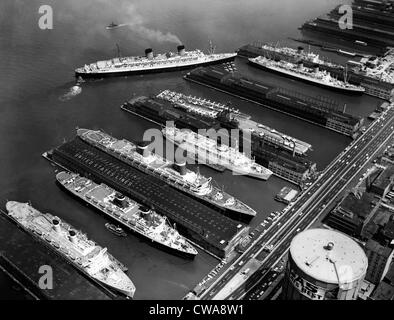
(22, 256)
(201, 224)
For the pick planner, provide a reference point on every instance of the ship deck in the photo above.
(212, 227)
(99, 193)
(282, 139)
(26, 256)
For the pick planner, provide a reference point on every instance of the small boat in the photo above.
(112, 25)
(116, 230)
(347, 53)
(361, 43)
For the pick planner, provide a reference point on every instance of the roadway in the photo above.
(307, 209)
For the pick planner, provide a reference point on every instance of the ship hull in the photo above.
(100, 75)
(141, 236)
(233, 213)
(236, 170)
(305, 80)
(73, 263)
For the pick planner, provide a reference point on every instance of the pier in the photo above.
(22, 256)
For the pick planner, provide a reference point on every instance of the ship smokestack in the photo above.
(143, 149)
(120, 200)
(72, 236)
(300, 50)
(56, 224)
(180, 167)
(316, 68)
(149, 53)
(181, 50)
(300, 65)
(144, 210)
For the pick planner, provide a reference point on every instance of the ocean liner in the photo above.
(127, 212)
(150, 63)
(294, 55)
(174, 174)
(73, 245)
(207, 150)
(311, 75)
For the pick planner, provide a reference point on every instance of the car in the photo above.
(298, 230)
(246, 271)
(241, 263)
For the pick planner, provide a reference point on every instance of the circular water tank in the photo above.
(323, 265)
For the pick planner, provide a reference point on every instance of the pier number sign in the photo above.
(306, 288)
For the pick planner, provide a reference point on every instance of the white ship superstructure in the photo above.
(197, 105)
(127, 212)
(73, 245)
(298, 54)
(379, 68)
(207, 150)
(175, 174)
(152, 63)
(315, 76)
(245, 123)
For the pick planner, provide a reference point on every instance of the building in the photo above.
(350, 214)
(379, 260)
(385, 289)
(324, 265)
(381, 185)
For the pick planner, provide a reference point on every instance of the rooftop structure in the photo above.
(324, 265)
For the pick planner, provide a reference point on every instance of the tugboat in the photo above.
(112, 25)
(116, 230)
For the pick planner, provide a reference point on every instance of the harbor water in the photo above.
(40, 107)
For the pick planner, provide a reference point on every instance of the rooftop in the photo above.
(328, 256)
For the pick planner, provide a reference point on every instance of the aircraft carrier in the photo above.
(202, 225)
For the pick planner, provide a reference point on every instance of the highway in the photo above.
(308, 208)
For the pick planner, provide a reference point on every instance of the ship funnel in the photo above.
(120, 200)
(120, 196)
(300, 50)
(143, 149)
(149, 53)
(219, 141)
(56, 224)
(300, 65)
(180, 167)
(181, 50)
(316, 68)
(144, 210)
(72, 236)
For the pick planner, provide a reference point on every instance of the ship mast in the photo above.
(211, 48)
(118, 50)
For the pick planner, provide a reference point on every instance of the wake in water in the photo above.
(72, 92)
